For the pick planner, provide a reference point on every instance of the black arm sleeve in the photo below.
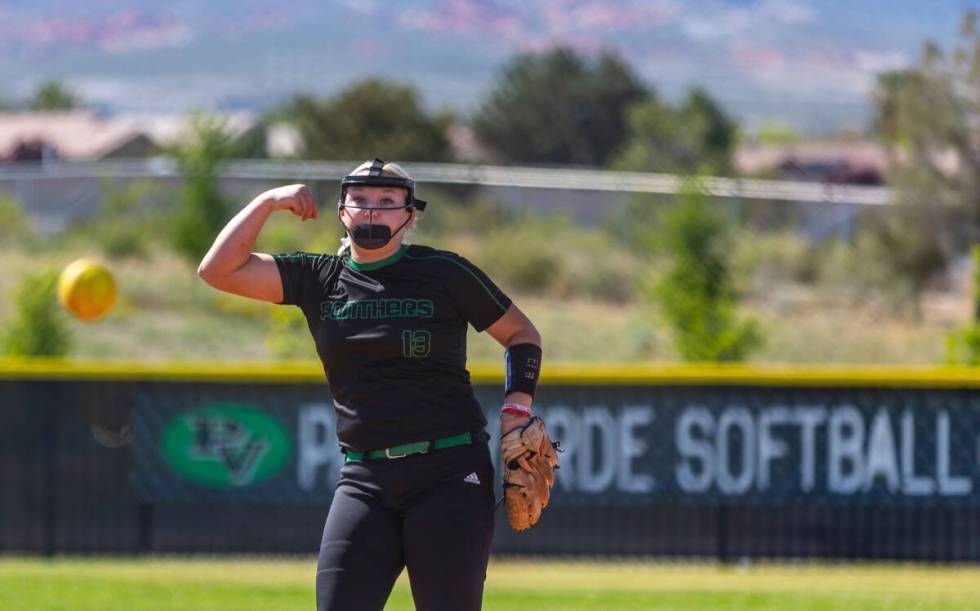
(297, 270)
(480, 301)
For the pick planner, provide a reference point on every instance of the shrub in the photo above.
(124, 227)
(451, 215)
(289, 336)
(697, 295)
(764, 259)
(201, 211)
(39, 327)
(522, 257)
(539, 255)
(963, 345)
(283, 232)
(14, 225)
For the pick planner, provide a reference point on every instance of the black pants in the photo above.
(431, 513)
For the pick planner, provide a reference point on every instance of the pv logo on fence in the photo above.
(225, 445)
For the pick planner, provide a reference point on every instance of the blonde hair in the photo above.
(389, 169)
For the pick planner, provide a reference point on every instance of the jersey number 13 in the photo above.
(416, 344)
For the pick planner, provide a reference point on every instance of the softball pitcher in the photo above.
(389, 321)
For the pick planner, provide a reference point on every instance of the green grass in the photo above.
(191, 584)
(166, 313)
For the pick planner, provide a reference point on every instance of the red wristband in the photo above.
(516, 409)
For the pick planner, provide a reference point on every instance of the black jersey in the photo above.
(392, 339)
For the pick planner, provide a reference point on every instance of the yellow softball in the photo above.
(87, 289)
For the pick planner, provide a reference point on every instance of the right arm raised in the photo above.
(231, 266)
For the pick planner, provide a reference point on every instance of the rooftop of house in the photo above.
(84, 135)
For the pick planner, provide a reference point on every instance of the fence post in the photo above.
(49, 447)
(144, 519)
(723, 552)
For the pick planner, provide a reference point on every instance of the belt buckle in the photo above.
(427, 445)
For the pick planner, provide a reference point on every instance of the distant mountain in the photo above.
(808, 63)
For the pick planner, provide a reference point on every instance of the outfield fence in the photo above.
(722, 462)
(55, 194)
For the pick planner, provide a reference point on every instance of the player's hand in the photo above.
(529, 462)
(295, 198)
(510, 422)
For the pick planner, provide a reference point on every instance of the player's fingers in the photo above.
(309, 206)
(296, 207)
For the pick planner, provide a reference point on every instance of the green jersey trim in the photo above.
(366, 267)
(468, 271)
(302, 255)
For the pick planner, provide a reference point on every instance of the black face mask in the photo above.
(372, 236)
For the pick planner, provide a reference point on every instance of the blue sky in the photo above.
(802, 62)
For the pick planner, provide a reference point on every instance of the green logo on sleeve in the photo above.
(225, 445)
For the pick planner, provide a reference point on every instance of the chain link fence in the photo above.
(718, 468)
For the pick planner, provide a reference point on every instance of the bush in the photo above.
(283, 232)
(873, 272)
(597, 267)
(202, 211)
(842, 270)
(289, 336)
(453, 216)
(124, 226)
(697, 295)
(522, 257)
(532, 254)
(39, 327)
(14, 225)
(761, 260)
(963, 345)
(633, 223)
(914, 242)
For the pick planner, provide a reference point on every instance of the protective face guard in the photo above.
(370, 235)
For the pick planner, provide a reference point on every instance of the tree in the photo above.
(915, 238)
(885, 101)
(53, 95)
(926, 116)
(697, 295)
(369, 119)
(202, 211)
(696, 137)
(558, 108)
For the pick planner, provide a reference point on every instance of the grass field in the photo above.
(166, 313)
(193, 584)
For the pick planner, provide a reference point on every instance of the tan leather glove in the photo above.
(530, 459)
